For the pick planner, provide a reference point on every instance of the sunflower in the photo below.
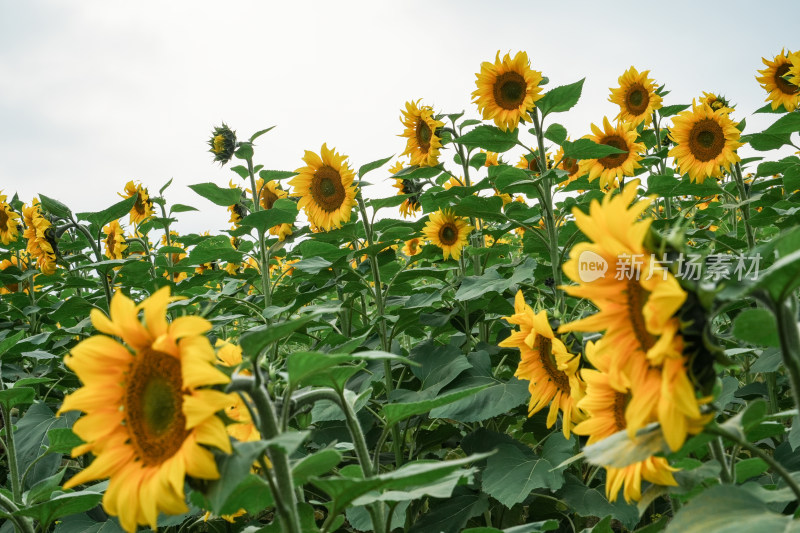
(612, 167)
(448, 232)
(115, 240)
(41, 242)
(423, 144)
(412, 247)
(491, 159)
(281, 231)
(794, 71)
(606, 408)
(9, 229)
(148, 416)
(569, 165)
(325, 187)
(705, 142)
(716, 102)
(11, 262)
(407, 186)
(636, 97)
(143, 207)
(781, 91)
(222, 143)
(530, 161)
(546, 363)
(269, 193)
(507, 90)
(454, 182)
(243, 430)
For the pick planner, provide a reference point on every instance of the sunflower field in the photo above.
(541, 330)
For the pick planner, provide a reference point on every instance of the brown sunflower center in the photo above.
(154, 407)
(620, 403)
(706, 140)
(448, 234)
(268, 198)
(509, 90)
(637, 99)
(784, 85)
(3, 220)
(327, 189)
(636, 297)
(424, 135)
(533, 164)
(548, 360)
(614, 160)
(570, 165)
(412, 246)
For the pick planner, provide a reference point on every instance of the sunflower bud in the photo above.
(223, 143)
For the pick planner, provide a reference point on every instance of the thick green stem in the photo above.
(23, 524)
(262, 243)
(786, 314)
(745, 208)
(661, 163)
(719, 454)
(99, 257)
(13, 468)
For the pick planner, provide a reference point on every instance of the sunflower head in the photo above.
(115, 240)
(531, 161)
(793, 76)
(448, 232)
(41, 237)
(717, 102)
(569, 165)
(705, 142)
(612, 167)
(9, 225)
(491, 159)
(143, 206)
(325, 187)
(412, 247)
(269, 193)
(423, 145)
(409, 186)
(773, 79)
(222, 143)
(507, 90)
(636, 97)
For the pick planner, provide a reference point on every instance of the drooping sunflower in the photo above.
(773, 80)
(40, 236)
(612, 167)
(636, 97)
(547, 364)
(143, 207)
(9, 229)
(717, 102)
(115, 240)
(407, 186)
(491, 159)
(281, 231)
(325, 187)
(423, 145)
(507, 90)
(238, 210)
(448, 232)
(222, 143)
(705, 142)
(269, 193)
(148, 414)
(569, 165)
(412, 247)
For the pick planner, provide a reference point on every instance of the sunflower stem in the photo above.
(262, 243)
(99, 257)
(13, 468)
(23, 524)
(718, 453)
(786, 315)
(745, 207)
(661, 163)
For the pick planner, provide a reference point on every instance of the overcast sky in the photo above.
(94, 93)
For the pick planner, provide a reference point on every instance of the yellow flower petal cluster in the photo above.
(705, 142)
(773, 80)
(508, 90)
(41, 242)
(636, 97)
(325, 187)
(412, 247)
(115, 240)
(149, 414)
(143, 207)
(9, 227)
(613, 167)
(448, 232)
(545, 361)
(423, 145)
(411, 204)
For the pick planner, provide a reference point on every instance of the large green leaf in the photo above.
(489, 138)
(560, 99)
(283, 211)
(62, 505)
(756, 326)
(395, 412)
(452, 514)
(223, 196)
(588, 149)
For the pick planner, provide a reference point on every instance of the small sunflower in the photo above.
(412, 247)
(407, 186)
(143, 207)
(222, 143)
(423, 145)
(149, 415)
(491, 159)
(238, 210)
(269, 193)
(325, 187)
(612, 167)
(717, 102)
(773, 80)
(41, 240)
(115, 240)
(12, 262)
(507, 90)
(281, 231)
(546, 363)
(569, 165)
(636, 97)
(705, 142)
(530, 161)
(9, 227)
(448, 232)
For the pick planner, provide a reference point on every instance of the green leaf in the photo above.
(32, 440)
(216, 248)
(489, 138)
(473, 287)
(396, 412)
(728, 509)
(588, 149)
(182, 208)
(259, 133)
(316, 464)
(781, 278)
(451, 515)
(244, 151)
(497, 398)
(62, 440)
(667, 186)
(556, 133)
(43, 489)
(283, 211)
(303, 365)
(17, 396)
(669, 110)
(560, 99)
(258, 338)
(224, 495)
(439, 364)
(55, 207)
(764, 142)
(372, 166)
(115, 212)
(223, 196)
(312, 265)
(11, 341)
(748, 468)
(277, 175)
(788, 123)
(756, 326)
(592, 501)
(62, 505)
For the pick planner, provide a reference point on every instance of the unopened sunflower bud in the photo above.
(223, 143)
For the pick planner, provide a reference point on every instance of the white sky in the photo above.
(96, 92)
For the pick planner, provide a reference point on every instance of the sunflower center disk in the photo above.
(783, 84)
(614, 160)
(637, 100)
(3, 220)
(548, 360)
(448, 234)
(424, 135)
(327, 189)
(706, 140)
(509, 90)
(637, 296)
(154, 407)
